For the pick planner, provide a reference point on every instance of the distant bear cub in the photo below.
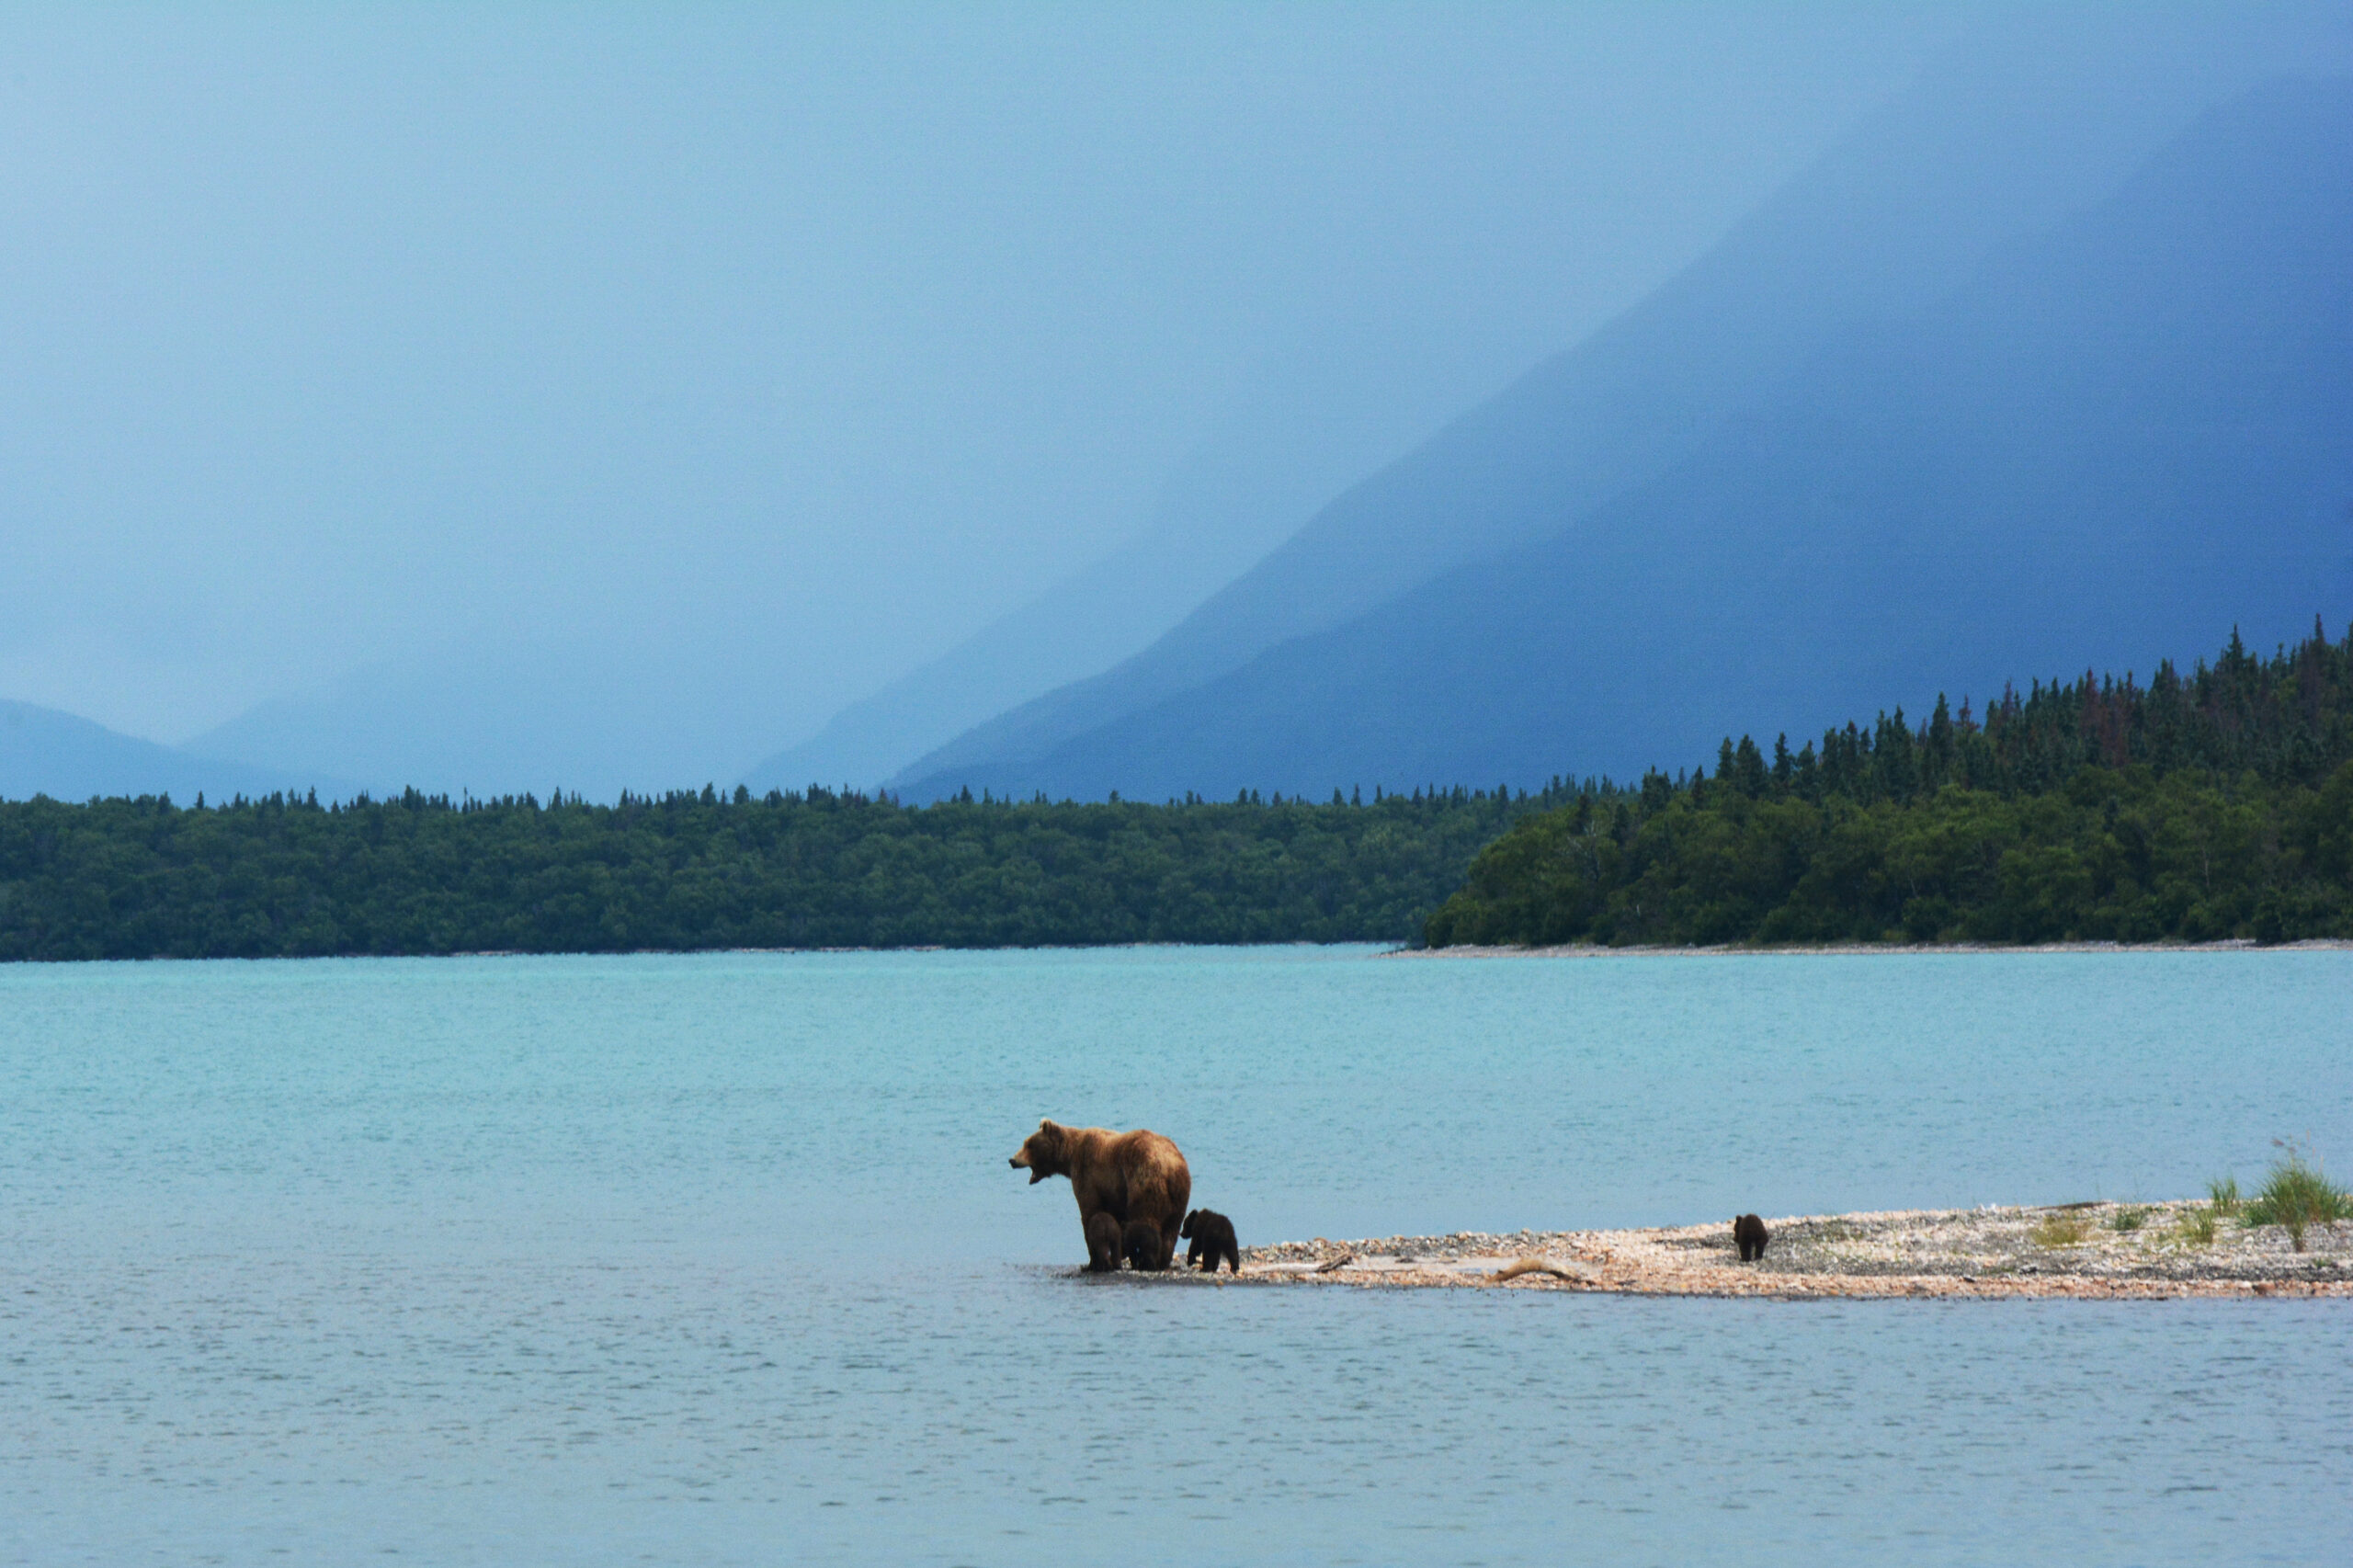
(1140, 1242)
(1211, 1234)
(1749, 1234)
(1102, 1245)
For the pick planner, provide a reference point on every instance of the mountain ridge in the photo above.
(2194, 449)
(1859, 235)
(47, 751)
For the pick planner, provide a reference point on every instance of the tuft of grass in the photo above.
(2296, 1195)
(2126, 1220)
(2225, 1191)
(2197, 1226)
(2059, 1230)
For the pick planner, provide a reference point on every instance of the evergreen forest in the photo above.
(120, 879)
(2213, 805)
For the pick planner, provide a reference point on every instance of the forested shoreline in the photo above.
(2215, 805)
(694, 871)
(2218, 804)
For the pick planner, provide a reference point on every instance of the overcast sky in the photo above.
(794, 344)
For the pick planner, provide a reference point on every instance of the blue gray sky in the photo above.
(669, 377)
(496, 397)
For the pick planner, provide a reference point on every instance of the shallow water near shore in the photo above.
(717, 1259)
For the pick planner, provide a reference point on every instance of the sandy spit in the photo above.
(2098, 1251)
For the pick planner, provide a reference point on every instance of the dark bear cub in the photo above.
(1102, 1245)
(1140, 1242)
(1211, 1234)
(1749, 1234)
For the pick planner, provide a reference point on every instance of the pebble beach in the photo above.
(2104, 1251)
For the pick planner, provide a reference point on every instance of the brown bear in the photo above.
(1141, 1243)
(1129, 1175)
(1212, 1237)
(1102, 1245)
(1749, 1234)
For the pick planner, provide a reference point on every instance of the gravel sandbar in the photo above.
(2095, 1250)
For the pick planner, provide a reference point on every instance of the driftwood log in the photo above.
(1577, 1272)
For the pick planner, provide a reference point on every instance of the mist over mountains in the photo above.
(1791, 489)
(1322, 410)
(2036, 366)
(44, 752)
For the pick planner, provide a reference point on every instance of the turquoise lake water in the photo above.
(717, 1259)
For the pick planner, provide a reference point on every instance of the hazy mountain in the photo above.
(1318, 413)
(503, 717)
(2015, 130)
(2114, 439)
(44, 752)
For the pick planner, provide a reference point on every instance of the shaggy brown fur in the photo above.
(1102, 1245)
(1211, 1234)
(1129, 1175)
(1141, 1243)
(1749, 1234)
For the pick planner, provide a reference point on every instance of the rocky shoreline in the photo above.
(2084, 1250)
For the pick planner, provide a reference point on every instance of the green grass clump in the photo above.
(2197, 1226)
(2126, 1220)
(2059, 1230)
(2296, 1195)
(2225, 1191)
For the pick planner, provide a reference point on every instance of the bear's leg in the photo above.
(1232, 1259)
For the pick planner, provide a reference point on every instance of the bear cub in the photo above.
(1102, 1245)
(1211, 1234)
(1140, 1242)
(1749, 1234)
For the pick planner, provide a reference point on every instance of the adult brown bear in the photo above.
(1129, 1175)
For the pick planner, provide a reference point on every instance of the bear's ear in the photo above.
(1047, 1125)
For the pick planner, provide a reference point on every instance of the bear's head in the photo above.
(1186, 1229)
(1041, 1155)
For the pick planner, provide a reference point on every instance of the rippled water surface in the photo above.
(717, 1259)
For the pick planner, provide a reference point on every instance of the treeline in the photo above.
(2218, 803)
(2213, 805)
(419, 874)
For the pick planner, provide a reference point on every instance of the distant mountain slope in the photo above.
(44, 752)
(1095, 617)
(2132, 432)
(1996, 144)
(1319, 412)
